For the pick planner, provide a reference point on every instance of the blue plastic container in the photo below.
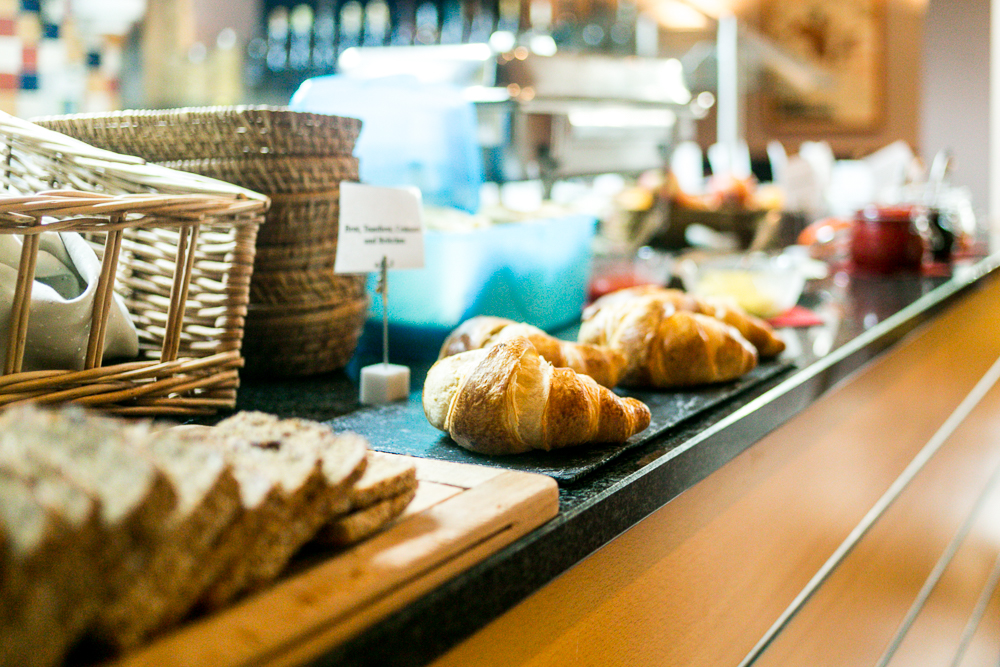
(534, 272)
(412, 134)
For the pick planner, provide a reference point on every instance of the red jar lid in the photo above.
(893, 213)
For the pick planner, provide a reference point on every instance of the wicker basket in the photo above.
(278, 174)
(220, 132)
(294, 289)
(296, 256)
(288, 342)
(178, 249)
(306, 287)
(304, 219)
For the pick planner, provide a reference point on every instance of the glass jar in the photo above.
(885, 239)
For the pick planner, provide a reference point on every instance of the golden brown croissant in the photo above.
(760, 334)
(507, 399)
(603, 364)
(666, 346)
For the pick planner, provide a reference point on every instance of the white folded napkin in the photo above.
(62, 300)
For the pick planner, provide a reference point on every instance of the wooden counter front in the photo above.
(863, 531)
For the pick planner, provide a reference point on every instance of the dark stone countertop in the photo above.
(862, 317)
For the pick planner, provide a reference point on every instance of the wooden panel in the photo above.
(938, 633)
(854, 616)
(700, 581)
(982, 648)
(463, 514)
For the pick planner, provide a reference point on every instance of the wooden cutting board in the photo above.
(460, 515)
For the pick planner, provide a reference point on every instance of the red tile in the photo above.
(29, 58)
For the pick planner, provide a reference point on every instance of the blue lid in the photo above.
(413, 133)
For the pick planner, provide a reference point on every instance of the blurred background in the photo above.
(836, 103)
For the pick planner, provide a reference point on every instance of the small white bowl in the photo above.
(763, 285)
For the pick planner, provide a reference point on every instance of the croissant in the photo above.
(603, 364)
(760, 334)
(506, 399)
(666, 346)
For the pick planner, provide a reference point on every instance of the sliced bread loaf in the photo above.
(313, 467)
(261, 499)
(362, 523)
(298, 480)
(208, 499)
(96, 455)
(382, 493)
(48, 579)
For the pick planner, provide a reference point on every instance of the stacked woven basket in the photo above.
(303, 318)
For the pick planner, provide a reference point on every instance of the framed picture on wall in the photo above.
(845, 40)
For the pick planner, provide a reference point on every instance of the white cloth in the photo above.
(62, 300)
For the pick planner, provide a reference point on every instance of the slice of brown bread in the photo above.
(71, 581)
(48, 578)
(93, 453)
(344, 456)
(28, 593)
(261, 499)
(78, 449)
(382, 493)
(297, 475)
(385, 476)
(208, 499)
(312, 466)
(362, 523)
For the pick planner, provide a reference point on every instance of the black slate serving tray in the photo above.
(402, 428)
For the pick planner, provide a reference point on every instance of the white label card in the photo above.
(378, 222)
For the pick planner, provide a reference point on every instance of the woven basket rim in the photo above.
(229, 130)
(207, 111)
(187, 208)
(288, 162)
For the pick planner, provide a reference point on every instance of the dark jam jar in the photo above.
(885, 239)
(941, 238)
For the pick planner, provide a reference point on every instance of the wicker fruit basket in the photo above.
(177, 248)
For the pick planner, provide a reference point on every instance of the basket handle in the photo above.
(19, 308)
